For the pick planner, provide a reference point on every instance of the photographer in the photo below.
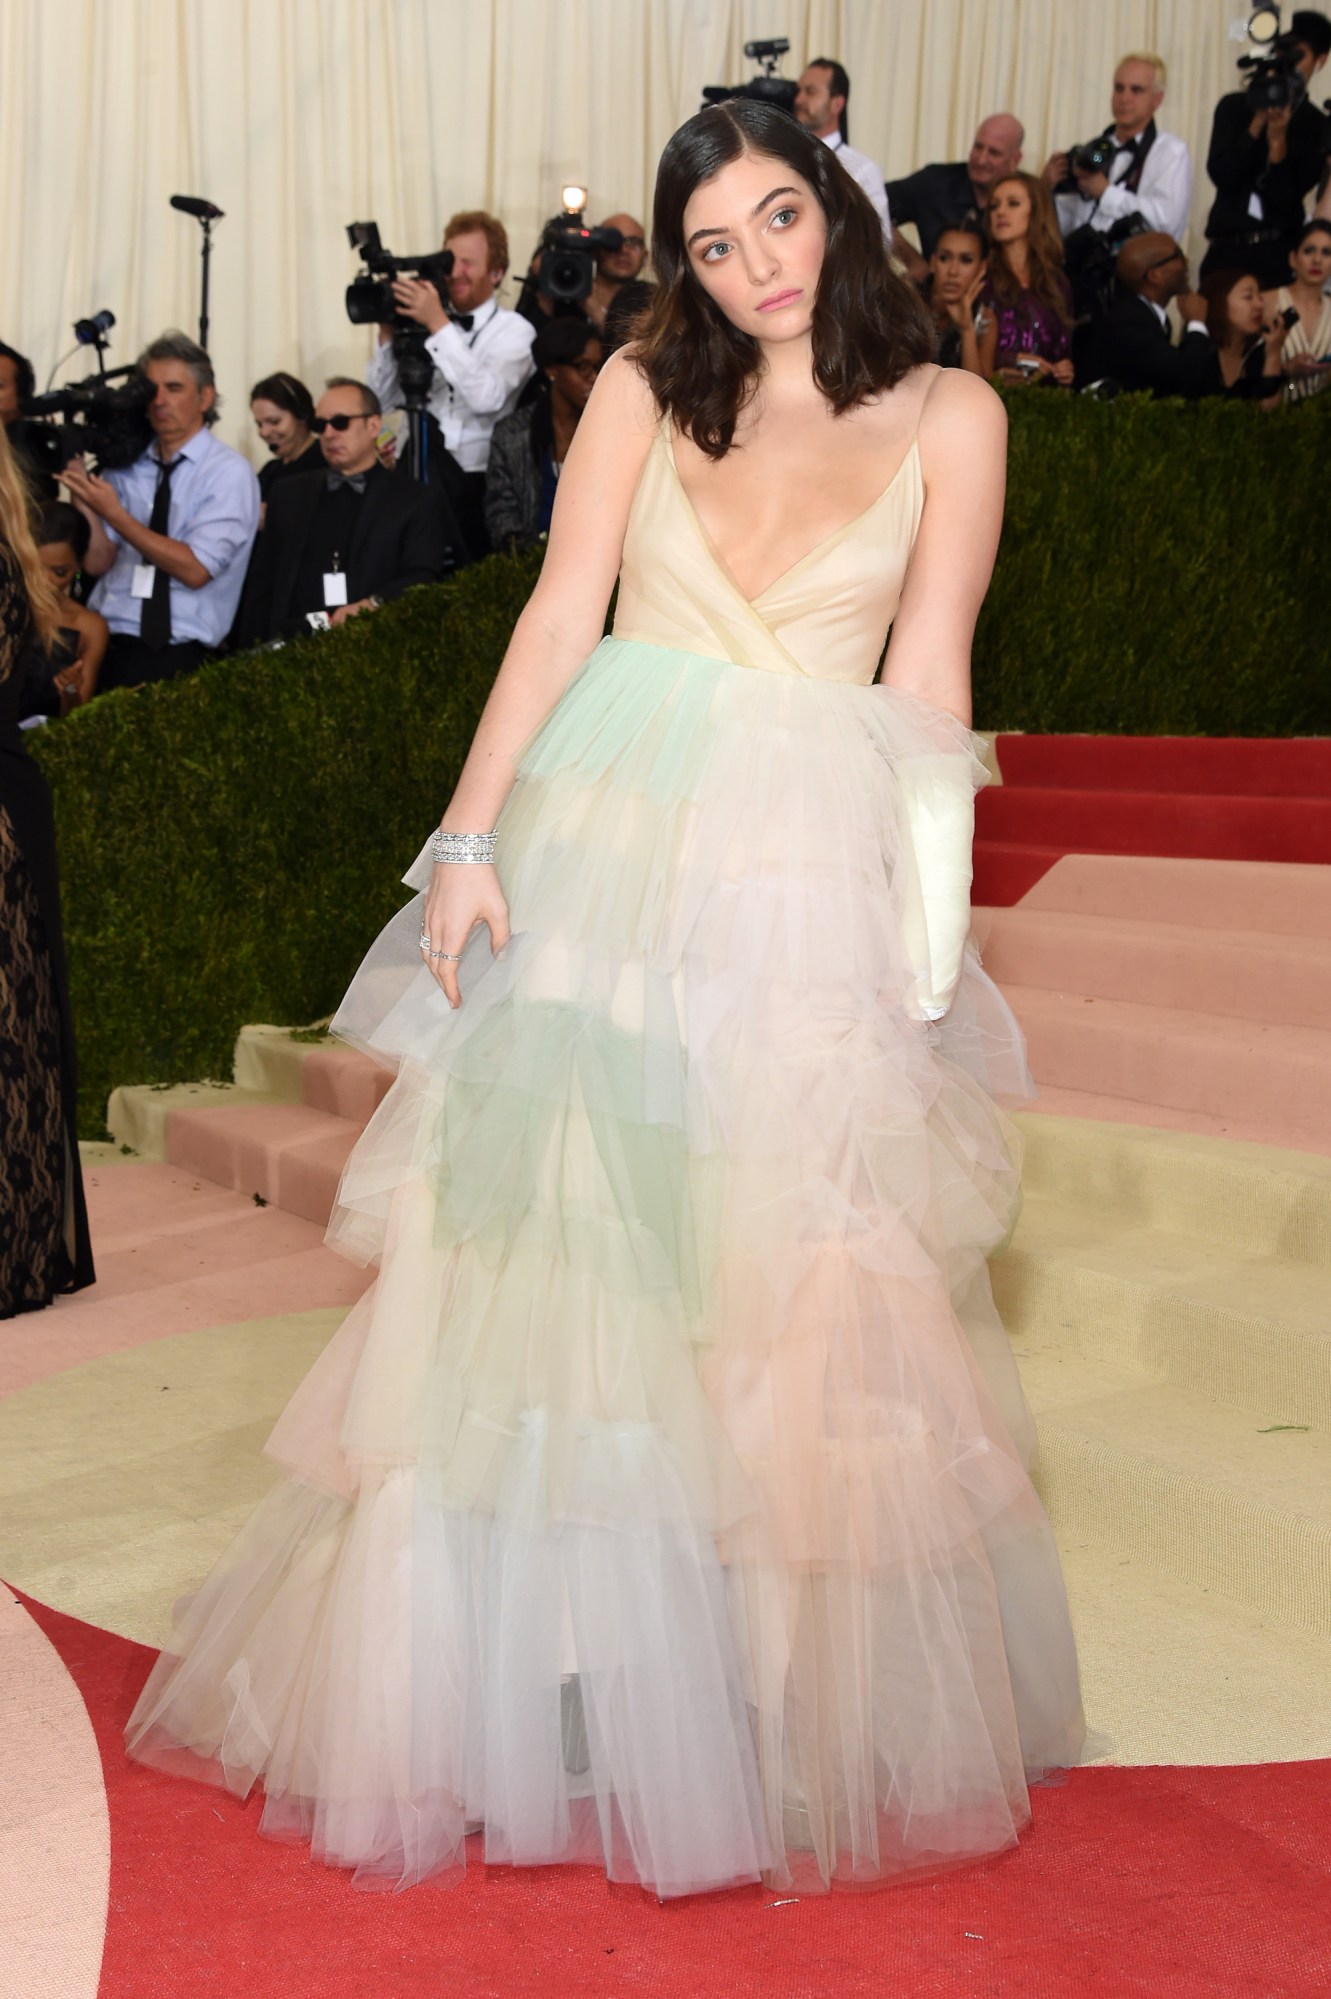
(1263, 164)
(530, 446)
(1149, 174)
(172, 533)
(820, 106)
(344, 539)
(1130, 344)
(481, 355)
(615, 267)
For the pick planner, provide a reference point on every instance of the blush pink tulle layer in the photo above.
(665, 1503)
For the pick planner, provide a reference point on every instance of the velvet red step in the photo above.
(1229, 826)
(1263, 767)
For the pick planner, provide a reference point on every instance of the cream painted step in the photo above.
(1171, 1478)
(1281, 898)
(1173, 1672)
(1256, 1199)
(1244, 975)
(1251, 1331)
(1185, 1060)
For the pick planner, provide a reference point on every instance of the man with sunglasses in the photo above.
(1130, 344)
(344, 540)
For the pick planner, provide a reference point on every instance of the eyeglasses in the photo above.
(320, 424)
(1175, 256)
(634, 243)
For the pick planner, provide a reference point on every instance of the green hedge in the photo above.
(230, 844)
(1158, 573)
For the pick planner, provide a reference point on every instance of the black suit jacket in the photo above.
(1128, 345)
(1238, 165)
(404, 534)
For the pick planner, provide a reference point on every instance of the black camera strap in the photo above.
(1140, 147)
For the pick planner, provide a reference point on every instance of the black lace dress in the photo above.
(44, 1246)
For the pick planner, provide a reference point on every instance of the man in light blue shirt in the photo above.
(172, 533)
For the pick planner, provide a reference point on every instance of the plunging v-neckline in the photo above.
(826, 540)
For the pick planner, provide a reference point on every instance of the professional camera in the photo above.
(566, 260)
(1089, 258)
(105, 418)
(769, 88)
(1095, 157)
(370, 300)
(1275, 82)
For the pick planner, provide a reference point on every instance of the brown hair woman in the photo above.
(44, 1246)
(1027, 301)
(656, 1507)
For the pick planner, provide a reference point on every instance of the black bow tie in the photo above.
(356, 481)
(463, 319)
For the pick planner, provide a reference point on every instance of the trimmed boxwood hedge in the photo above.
(230, 844)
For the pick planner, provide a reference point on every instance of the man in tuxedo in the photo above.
(344, 540)
(1130, 343)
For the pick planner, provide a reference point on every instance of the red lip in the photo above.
(777, 298)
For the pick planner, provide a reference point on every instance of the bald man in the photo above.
(1130, 344)
(938, 196)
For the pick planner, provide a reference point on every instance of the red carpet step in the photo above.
(1216, 798)
(1130, 1884)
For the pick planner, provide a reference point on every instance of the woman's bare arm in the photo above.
(563, 619)
(963, 455)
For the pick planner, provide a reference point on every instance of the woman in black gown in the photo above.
(44, 1246)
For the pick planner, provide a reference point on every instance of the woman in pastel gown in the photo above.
(665, 1504)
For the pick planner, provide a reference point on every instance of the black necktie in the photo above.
(356, 480)
(155, 621)
(463, 319)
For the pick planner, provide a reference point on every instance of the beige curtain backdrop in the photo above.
(298, 116)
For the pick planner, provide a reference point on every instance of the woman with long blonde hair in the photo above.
(1027, 300)
(44, 1246)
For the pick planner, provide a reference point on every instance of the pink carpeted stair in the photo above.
(1190, 993)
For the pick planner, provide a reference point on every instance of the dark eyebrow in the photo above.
(757, 209)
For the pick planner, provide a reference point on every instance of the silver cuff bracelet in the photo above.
(463, 847)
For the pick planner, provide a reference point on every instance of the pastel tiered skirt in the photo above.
(664, 1504)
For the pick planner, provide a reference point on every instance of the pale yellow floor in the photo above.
(121, 1481)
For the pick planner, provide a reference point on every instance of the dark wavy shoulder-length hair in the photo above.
(870, 327)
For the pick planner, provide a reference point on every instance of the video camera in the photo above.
(769, 88)
(566, 260)
(106, 414)
(1275, 82)
(370, 300)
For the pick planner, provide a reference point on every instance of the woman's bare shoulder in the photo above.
(622, 389)
(960, 412)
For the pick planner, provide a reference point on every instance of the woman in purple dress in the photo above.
(1027, 301)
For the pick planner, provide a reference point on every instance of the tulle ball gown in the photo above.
(664, 1504)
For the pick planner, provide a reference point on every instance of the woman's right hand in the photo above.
(462, 895)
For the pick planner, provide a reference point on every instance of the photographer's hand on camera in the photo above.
(460, 899)
(420, 301)
(99, 503)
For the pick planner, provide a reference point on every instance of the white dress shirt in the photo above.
(1162, 198)
(214, 510)
(867, 172)
(478, 377)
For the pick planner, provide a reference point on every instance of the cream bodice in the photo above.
(826, 616)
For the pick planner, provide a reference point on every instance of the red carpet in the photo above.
(1206, 798)
(1178, 1882)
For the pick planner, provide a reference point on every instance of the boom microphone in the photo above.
(191, 204)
